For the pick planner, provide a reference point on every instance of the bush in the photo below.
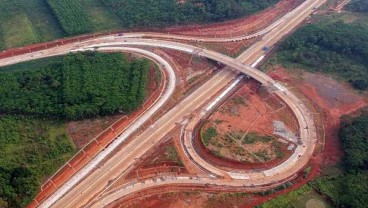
(354, 138)
(160, 13)
(357, 6)
(76, 86)
(208, 135)
(331, 48)
(71, 16)
(30, 150)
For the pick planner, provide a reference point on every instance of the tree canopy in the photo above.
(159, 13)
(351, 189)
(80, 85)
(331, 48)
(30, 150)
(17, 185)
(72, 17)
(354, 138)
(358, 6)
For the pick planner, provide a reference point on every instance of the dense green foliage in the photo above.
(24, 22)
(336, 48)
(16, 187)
(349, 189)
(286, 201)
(30, 150)
(253, 137)
(77, 86)
(354, 138)
(358, 6)
(158, 13)
(72, 16)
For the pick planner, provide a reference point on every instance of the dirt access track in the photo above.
(147, 138)
(283, 5)
(239, 27)
(250, 110)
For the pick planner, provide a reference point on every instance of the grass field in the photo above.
(304, 197)
(101, 16)
(45, 25)
(24, 22)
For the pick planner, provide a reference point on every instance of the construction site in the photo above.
(213, 129)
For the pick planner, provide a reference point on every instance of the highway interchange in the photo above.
(88, 186)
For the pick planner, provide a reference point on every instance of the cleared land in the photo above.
(242, 128)
(328, 45)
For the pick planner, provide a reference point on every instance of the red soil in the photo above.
(167, 197)
(256, 116)
(83, 131)
(89, 151)
(333, 106)
(332, 97)
(237, 27)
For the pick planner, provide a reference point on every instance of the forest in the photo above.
(161, 13)
(346, 185)
(350, 189)
(358, 6)
(30, 150)
(71, 16)
(354, 138)
(24, 22)
(80, 85)
(330, 48)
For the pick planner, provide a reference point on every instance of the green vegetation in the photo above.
(276, 145)
(74, 86)
(160, 13)
(172, 155)
(208, 134)
(30, 150)
(102, 17)
(71, 16)
(354, 138)
(286, 201)
(331, 47)
(357, 6)
(263, 155)
(348, 189)
(24, 22)
(239, 101)
(252, 138)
